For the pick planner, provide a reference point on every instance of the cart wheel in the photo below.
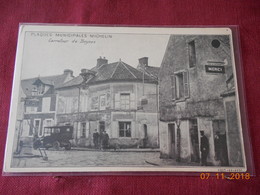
(56, 145)
(68, 146)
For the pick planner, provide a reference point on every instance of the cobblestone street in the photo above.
(87, 158)
(76, 158)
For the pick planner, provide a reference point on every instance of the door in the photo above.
(171, 131)
(220, 142)
(145, 139)
(194, 141)
(101, 126)
(37, 123)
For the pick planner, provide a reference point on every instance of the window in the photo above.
(37, 126)
(61, 105)
(124, 129)
(46, 123)
(192, 54)
(125, 101)
(84, 101)
(34, 91)
(215, 43)
(31, 109)
(83, 130)
(46, 104)
(41, 89)
(94, 103)
(102, 102)
(180, 85)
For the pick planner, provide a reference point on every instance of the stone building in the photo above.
(37, 104)
(232, 124)
(193, 74)
(111, 97)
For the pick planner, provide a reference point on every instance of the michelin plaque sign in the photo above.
(215, 69)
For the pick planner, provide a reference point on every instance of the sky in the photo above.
(47, 54)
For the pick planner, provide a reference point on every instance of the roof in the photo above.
(55, 80)
(152, 70)
(117, 71)
(73, 82)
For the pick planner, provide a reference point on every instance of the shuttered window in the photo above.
(186, 84)
(173, 87)
(125, 101)
(180, 85)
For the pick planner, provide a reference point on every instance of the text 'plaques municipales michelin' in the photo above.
(215, 69)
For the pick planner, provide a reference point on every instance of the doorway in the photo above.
(101, 126)
(220, 142)
(37, 123)
(194, 140)
(171, 133)
(145, 139)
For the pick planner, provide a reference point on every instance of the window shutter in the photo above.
(87, 129)
(173, 81)
(186, 84)
(132, 101)
(117, 101)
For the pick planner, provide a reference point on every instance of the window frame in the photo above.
(124, 123)
(125, 103)
(192, 53)
(174, 85)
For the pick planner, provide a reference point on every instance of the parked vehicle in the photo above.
(55, 137)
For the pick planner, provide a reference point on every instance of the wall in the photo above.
(234, 140)
(176, 58)
(111, 113)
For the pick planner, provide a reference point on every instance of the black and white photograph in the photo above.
(108, 99)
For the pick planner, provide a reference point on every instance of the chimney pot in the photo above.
(68, 71)
(83, 70)
(143, 61)
(101, 61)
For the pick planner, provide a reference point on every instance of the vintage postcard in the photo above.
(109, 99)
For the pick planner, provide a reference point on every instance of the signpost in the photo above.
(215, 69)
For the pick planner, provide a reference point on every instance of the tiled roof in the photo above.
(152, 70)
(117, 71)
(56, 80)
(73, 82)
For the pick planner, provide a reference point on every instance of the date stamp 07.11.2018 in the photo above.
(230, 176)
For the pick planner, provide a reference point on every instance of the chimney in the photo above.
(143, 61)
(68, 72)
(101, 61)
(86, 74)
(83, 70)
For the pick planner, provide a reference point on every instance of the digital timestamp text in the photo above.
(232, 176)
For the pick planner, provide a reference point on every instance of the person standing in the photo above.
(218, 147)
(96, 139)
(105, 140)
(204, 148)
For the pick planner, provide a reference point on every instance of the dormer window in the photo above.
(41, 89)
(34, 91)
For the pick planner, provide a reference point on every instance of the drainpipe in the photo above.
(78, 123)
(158, 114)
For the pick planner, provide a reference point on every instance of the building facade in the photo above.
(193, 74)
(111, 97)
(38, 103)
